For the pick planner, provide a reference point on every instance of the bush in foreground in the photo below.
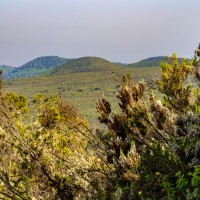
(153, 142)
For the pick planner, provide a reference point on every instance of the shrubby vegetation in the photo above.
(150, 148)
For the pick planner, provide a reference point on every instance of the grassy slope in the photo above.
(82, 89)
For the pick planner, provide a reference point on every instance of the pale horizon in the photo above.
(119, 31)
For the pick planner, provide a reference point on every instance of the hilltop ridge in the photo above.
(151, 61)
(36, 66)
(57, 65)
(85, 64)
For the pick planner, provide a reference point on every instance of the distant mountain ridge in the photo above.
(45, 62)
(6, 70)
(58, 65)
(37, 66)
(151, 61)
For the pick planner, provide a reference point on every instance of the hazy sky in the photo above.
(117, 30)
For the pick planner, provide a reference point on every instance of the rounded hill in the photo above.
(37, 66)
(85, 64)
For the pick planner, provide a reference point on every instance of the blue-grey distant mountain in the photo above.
(6, 70)
(120, 63)
(37, 66)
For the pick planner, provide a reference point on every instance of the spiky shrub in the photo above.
(45, 155)
(161, 132)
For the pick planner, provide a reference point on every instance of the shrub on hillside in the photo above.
(43, 156)
(153, 143)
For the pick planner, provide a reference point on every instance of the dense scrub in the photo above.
(150, 148)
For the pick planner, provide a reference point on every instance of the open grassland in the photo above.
(82, 89)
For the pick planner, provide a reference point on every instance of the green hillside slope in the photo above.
(85, 64)
(82, 89)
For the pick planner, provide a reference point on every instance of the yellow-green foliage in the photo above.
(165, 135)
(46, 156)
(16, 103)
(172, 82)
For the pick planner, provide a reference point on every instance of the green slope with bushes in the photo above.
(83, 89)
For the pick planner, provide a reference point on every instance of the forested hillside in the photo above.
(36, 66)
